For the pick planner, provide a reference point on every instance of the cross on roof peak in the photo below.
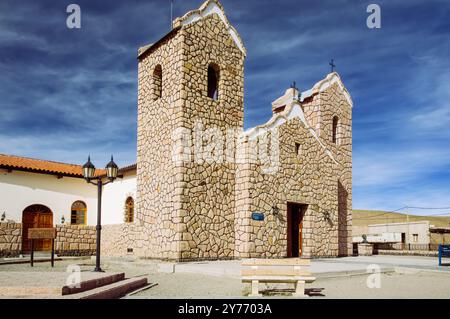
(332, 65)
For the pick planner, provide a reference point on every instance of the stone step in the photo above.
(93, 284)
(112, 291)
(51, 284)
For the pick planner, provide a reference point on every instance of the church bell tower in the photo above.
(191, 80)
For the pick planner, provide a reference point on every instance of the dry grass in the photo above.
(370, 217)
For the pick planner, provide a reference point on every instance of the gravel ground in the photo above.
(423, 284)
(393, 285)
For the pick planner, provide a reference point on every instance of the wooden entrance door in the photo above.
(300, 234)
(295, 213)
(36, 216)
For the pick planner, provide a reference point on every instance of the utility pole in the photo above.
(407, 223)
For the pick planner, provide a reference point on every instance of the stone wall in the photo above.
(319, 110)
(185, 210)
(158, 185)
(10, 239)
(116, 240)
(192, 207)
(74, 240)
(333, 103)
(208, 198)
(70, 240)
(303, 178)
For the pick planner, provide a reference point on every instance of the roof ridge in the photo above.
(39, 159)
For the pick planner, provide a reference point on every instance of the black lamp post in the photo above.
(88, 173)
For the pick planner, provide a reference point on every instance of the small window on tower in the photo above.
(298, 149)
(335, 129)
(157, 82)
(213, 81)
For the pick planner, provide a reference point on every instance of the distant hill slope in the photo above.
(368, 217)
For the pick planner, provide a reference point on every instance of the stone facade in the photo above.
(306, 175)
(184, 209)
(365, 249)
(200, 177)
(116, 240)
(10, 239)
(70, 240)
(74, 240)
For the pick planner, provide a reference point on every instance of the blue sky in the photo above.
(68, 93)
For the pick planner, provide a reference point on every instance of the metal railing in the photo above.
(402, 246)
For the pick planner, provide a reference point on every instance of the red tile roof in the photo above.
(42, 166)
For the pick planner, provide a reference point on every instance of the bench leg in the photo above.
(255, 289)
(299, 290)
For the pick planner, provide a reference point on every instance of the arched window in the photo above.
(335, 129)
(213, 81)
(157, 82)
(129, 210)
(78, 213)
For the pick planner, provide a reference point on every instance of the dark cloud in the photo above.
(66, 93)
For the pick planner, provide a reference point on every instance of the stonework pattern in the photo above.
(70, 240)
(195, 209)
(74, 240)
(10, 239)
(189, 207)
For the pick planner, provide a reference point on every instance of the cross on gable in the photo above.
(332, 65)
(294, 85)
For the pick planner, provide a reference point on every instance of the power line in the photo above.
(408, 207)
(402, 217)
(430, 208)
(382, 214)
(398, 217)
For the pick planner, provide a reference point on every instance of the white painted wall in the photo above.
(19, 190)
(114, 197)
(380, 238)
(421, 228)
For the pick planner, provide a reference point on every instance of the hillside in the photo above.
(368, 217)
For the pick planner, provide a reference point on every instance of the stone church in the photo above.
(207, 189)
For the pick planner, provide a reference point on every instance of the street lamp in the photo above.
(89, 175)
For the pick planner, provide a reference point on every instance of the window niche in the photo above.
(157, 82)
(335, 130)
(213, 81)
(298, 150)
(78, 213)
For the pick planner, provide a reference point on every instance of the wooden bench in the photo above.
(286, 270)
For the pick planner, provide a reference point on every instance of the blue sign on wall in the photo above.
(444, 251)
(257, 216)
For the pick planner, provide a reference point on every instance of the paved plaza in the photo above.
(400, 277)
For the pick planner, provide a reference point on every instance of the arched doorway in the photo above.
(36, 216)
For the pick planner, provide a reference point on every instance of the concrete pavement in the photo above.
(320, 267)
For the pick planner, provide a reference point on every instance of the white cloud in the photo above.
(392, 166)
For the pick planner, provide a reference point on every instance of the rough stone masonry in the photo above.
(201, 179)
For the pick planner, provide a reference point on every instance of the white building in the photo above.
(43, 193)
(406, 233)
